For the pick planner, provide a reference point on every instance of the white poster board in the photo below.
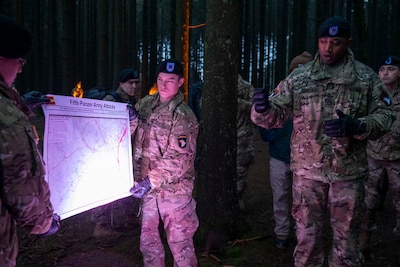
(87, 151)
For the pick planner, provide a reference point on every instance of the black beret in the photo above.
(335, 27)
(390, 60)
(16, 41)
(128, 74)
(170, 66)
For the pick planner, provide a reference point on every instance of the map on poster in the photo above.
(87, 151)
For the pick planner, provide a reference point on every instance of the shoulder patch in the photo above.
(386, 99)
(182, 140)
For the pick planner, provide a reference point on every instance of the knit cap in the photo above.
(299, 60)
(16, 41)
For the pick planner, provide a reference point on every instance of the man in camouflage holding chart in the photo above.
(165, 133)
(337, 104)
(24, 194)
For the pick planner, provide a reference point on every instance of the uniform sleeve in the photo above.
(380, 115)
(25, 193)
(109, 98)
(245, 100)
(279, 111)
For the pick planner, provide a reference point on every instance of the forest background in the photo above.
(91, 41)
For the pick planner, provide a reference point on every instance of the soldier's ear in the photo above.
(349, 42)
(181, 81)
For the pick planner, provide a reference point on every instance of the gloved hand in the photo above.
(132, 112)
(344, 126)
(34, 99)
(55, 226)
(141, 189)
(260, 99)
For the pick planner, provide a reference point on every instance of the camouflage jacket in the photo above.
(164, 146)
(125, 98)
(245, 127)
(310, 95)
(388, 146)
(24, 195)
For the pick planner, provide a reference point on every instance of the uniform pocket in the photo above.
(186, 211)
(38, 168)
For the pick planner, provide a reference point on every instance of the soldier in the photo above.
(280, 175)
(165, 132)
(25, 195)
(245, 149)
(336, 104)
(384, 158)
(128, 86)
(101, 216)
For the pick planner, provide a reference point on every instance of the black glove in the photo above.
(132, 112)
(34, 99)
(141, 189)
(344, 126)
(55, 225)
(260, 99)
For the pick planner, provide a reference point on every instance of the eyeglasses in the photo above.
(22, 61)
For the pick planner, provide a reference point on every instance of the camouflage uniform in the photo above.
(384, 160)
(328, 172)
(245, 148)
(102, 215)
(125, 98)
(165, 136)
(25, 195)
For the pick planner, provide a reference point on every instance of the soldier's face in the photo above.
(168, 85)
(332, 49)
(389, 74)
(9, 68)
(130, 86)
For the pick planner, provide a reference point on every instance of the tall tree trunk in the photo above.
(216, 183)
(299, 28)
(247, 37)
(145, 49)
(361, 28)
(281, 48)
(102, 39)
(153, 39)
(259, 82)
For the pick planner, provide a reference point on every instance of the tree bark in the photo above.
(216, 183)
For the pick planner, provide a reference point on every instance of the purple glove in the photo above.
(132, 112)
(55, 226)
(260, 99)
(34, 99)
(344, 126)
(141, 189)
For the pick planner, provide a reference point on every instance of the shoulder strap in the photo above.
(115, 95)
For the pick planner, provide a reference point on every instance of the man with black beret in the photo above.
(383, 159)
(25, 195)
(128, 85)
(337, 104)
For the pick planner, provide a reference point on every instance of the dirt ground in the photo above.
(74, 245)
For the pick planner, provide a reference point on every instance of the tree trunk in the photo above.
(216, 183)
